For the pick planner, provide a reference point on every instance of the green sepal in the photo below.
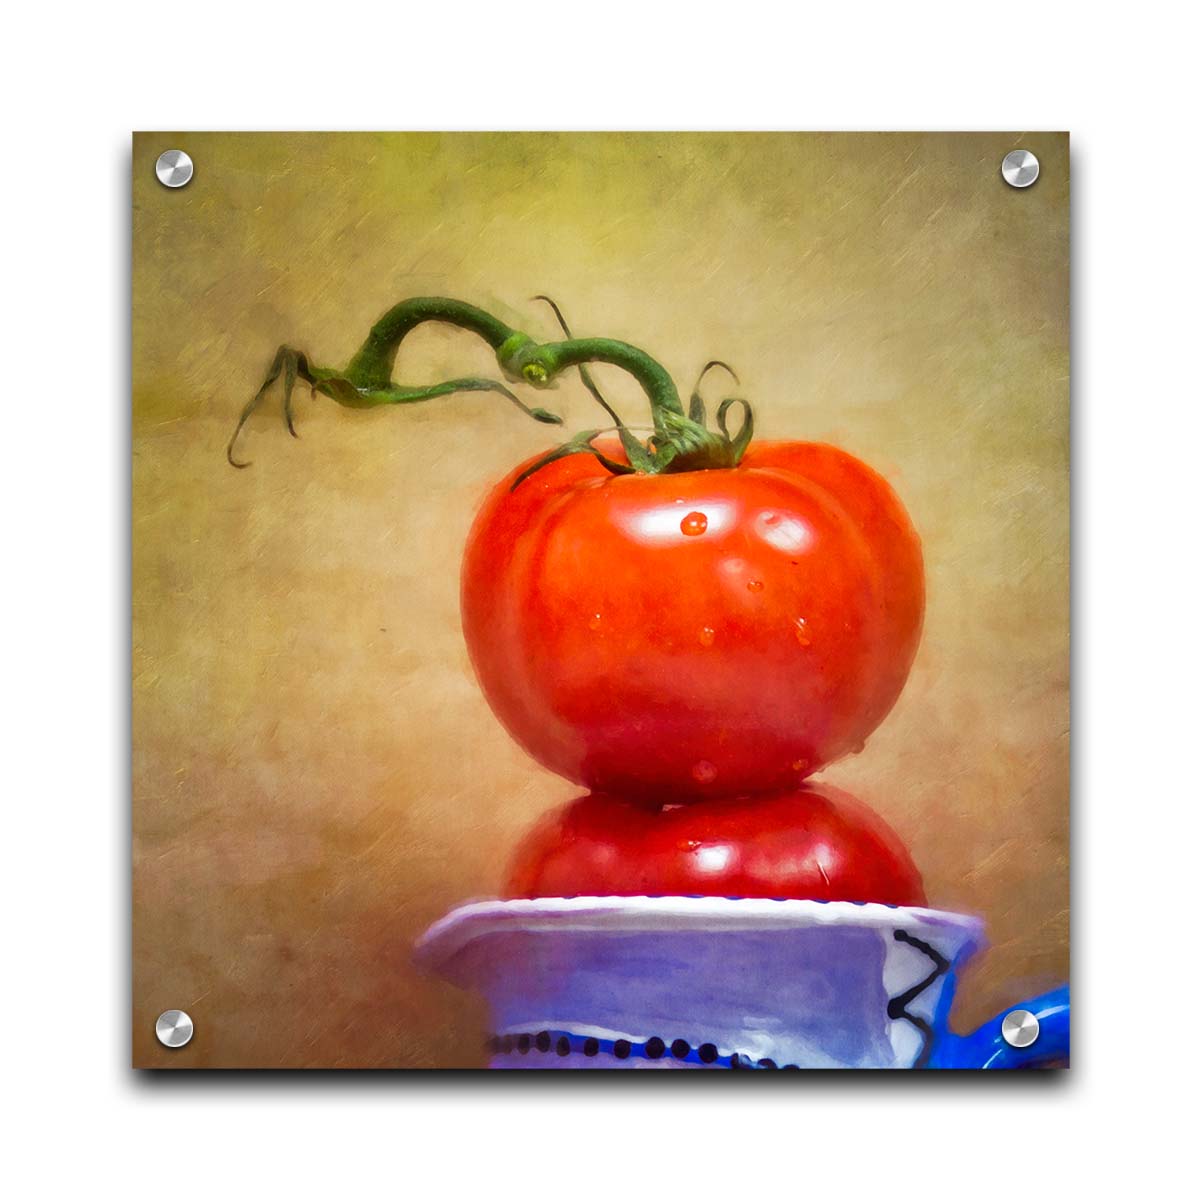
(581, 443)
(696, 409)
(639, 457)
(338, 388)
(687, 446)
(738, 444)
(293, 364)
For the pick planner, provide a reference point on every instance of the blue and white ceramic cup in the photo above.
(745, 984)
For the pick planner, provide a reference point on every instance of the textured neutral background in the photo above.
(315, 775)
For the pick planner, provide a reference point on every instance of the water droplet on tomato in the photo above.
(803, 635)
(594, 621)
(708, 635)
(704, 771)
(755, 585)
(694, 524)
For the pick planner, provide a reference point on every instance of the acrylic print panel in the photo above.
(736, 737)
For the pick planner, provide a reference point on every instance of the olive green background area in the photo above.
(316, 776)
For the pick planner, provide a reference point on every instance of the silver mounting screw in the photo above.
(1020, 168)
(1020, 1028)
(174, 168)
(174, 1028)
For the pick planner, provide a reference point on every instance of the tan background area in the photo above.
(316, 776)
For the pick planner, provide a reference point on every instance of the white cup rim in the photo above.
(600, 915)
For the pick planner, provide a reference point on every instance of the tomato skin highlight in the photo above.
(699, 634)
(814, 843)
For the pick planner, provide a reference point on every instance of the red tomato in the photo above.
(707, 633)
(817, 843)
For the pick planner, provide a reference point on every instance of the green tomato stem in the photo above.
(656, 383)
(372, 366)
(680, 442)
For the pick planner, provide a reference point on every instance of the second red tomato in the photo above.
(816, 843)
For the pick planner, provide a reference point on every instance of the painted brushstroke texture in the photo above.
(316, 775)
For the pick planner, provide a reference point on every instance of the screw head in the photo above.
(174, 168)
(1020, 168)
(1020, 1028)
(174, 1028)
